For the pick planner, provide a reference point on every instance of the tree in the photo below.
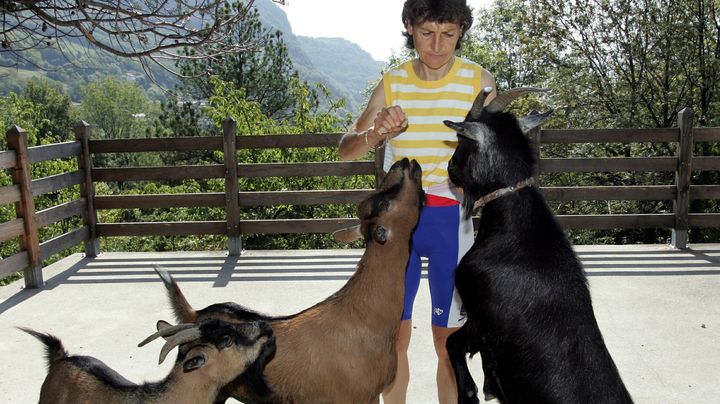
(265, 73)
(229, 101)
(609, 64)
(264, 76)
(626, 63)
(149, 31)
(19, 111)
(43, 112)
(703, 36)
(498, 42)
(115, 107)
(54, 106)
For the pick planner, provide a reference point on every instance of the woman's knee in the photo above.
(440, 336)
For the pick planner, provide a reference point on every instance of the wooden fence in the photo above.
(21, 193)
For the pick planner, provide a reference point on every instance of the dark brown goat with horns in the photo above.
(210, 355)
(341, 350)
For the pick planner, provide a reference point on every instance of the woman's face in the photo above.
(435, 42)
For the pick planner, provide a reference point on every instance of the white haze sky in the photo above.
(375, 25)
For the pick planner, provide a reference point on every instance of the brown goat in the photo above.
(210, 355)
(341, 350)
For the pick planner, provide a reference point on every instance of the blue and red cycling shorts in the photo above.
(442, 236)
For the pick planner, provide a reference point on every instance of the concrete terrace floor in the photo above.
(658, 309)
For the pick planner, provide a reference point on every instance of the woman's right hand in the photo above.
(389, 122)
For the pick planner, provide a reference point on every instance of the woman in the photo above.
(405, 114)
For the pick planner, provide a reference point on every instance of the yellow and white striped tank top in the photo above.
(427, 104)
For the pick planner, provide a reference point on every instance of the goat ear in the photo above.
(162, 324)
(532, 121)
(348, 235)
(460, 128)
(225, 342)
(194, 362)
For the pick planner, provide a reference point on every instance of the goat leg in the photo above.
(457, 346)
(491, 387)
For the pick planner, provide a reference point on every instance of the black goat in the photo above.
(525, 292)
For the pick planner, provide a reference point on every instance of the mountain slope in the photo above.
(342, 66)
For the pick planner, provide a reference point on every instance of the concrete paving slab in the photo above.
(658, 308)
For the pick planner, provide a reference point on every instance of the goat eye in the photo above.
(380, 234)
(194, 363)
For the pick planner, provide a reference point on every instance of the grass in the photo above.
(11, 278)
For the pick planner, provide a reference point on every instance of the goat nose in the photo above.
(415, 165)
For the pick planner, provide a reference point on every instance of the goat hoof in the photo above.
(469, 397)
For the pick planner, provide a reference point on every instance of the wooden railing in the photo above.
(32, 252)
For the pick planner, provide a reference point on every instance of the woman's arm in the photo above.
(375, 124)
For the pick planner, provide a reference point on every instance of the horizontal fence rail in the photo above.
(19, 159)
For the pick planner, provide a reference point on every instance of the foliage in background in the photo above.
(264, 72)
(610, 64)
(151, 33)
(43, 111)
(116, 108)
(229, 101)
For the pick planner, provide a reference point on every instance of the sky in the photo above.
(375, 25)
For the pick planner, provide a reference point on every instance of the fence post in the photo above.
(681, 205)
(25, 208)
(87, 189)
(232, 203)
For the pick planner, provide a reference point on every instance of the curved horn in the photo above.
(180, 338)
(499, 103)
(478, 104)
(166, 331)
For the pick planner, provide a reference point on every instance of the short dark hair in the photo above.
(441, 11)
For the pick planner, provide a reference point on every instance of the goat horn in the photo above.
(478, 104)
(499, 103)
(166, 331)
(180, 338)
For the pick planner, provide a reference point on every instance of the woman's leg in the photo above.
(452, 240)
(447, 388)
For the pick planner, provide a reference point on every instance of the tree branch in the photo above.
(150, 31)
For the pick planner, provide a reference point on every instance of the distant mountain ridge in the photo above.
(341, 65)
